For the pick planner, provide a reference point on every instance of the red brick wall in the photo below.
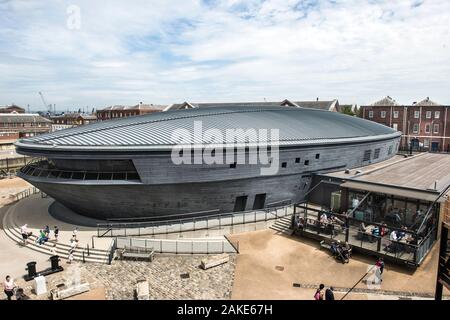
(422, 121)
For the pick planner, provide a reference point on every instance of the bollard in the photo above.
(55, 262)
(31, 268)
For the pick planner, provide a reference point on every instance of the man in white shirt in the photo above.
(393, 236)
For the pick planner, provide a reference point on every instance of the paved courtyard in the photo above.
(118, 280)
(269, 264)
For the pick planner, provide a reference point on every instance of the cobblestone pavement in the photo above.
(163, 275)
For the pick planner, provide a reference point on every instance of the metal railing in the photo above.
(413, 251)
(26, 193)
(41, 169)
(179, 246)
(191, 223)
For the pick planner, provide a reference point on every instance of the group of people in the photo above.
(322, 294)
(341, 251)
(44, 234)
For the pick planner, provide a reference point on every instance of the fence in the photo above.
(190, 224)
(348, 229)
(184, 246)
(26, 193)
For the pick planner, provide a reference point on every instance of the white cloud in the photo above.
(126, 52)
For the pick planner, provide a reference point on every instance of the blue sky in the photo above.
(125, 52)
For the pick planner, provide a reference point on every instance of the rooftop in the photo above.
(314, 104)
(425, 172)
(22, 117)
(297, 126)
(135, 107)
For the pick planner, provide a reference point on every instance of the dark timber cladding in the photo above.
(123, 168)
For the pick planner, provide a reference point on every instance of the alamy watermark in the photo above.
(243, 146)
(74, 17)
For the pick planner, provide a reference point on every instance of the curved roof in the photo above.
(297, 126)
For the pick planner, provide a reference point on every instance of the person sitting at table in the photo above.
(383, 229)
(362, 227)
(393, 238)
(323, 219)
(375, 233)
(401, 234)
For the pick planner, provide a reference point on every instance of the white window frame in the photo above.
(415, 128)
(383, 114)
(395, 126)
(416, 114)
(437, 114)
(436, 126)
(427, 128)
(426, 143)
(395, 114)
(371, 114)
(428, 115)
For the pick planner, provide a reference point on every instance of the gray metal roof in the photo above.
(297, 126)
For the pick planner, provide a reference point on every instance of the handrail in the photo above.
(178, 220)
(105, 228)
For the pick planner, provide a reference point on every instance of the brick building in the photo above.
(24, 124)
(113, 112)
(11, 109)
(426, 121)
(72, 119)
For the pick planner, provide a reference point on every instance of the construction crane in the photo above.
(47, 106)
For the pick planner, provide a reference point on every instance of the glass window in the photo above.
(395, 114)
(416, 114)
(437, 114)
(370, 114)
(383, 114)
(428, 115)
(436, 128)
(415, 128)
(427, 128)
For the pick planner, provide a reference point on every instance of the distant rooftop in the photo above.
(427, 103)
(22, 117)
(390, 102)
(135, 107)
(330, 105)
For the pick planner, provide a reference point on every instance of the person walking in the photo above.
(70, 258)
(380, 265)
(25, 233)
(9, 286)
(56, 232)
(74, 234)
(329, 293)
(319, 295)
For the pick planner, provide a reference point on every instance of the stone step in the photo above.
(78, 253)
(59, 245)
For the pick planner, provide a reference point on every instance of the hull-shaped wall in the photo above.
(167, 190)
